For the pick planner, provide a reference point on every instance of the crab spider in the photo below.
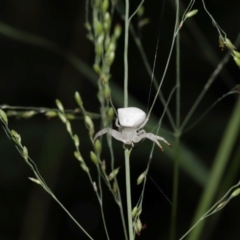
(130, 122)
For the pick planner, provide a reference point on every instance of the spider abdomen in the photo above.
(131, 117)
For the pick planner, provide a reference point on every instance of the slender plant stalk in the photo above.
(126, 53)
(135, 12)
(119, 199)
(177, 132)
(127, 152)
(75, 221)
(175, 188)
(42, 183)
(100, 199)
(176, 31)
(150, 72)
(232, 171)
(214, 208)
(178, 79)
(218, 168)
(128, 189)
(24, 153)
(205, 89)
(56, 199)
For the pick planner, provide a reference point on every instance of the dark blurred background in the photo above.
(32, 73)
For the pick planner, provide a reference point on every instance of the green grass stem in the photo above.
(128, 191)
(218, 168)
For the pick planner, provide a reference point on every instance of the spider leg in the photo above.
(101, 132)
(141, 132)
(117, 135)
(162, 139)
(154, 138)
(120, 128)
(117, 124)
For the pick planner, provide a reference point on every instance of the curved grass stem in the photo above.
(215, 208)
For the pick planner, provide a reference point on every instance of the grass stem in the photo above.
(126, 53)
(128, 191)
(175, 188)
(220, 162)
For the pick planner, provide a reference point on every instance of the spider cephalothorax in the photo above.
(130, 122)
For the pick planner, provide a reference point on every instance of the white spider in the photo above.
(131, 121)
